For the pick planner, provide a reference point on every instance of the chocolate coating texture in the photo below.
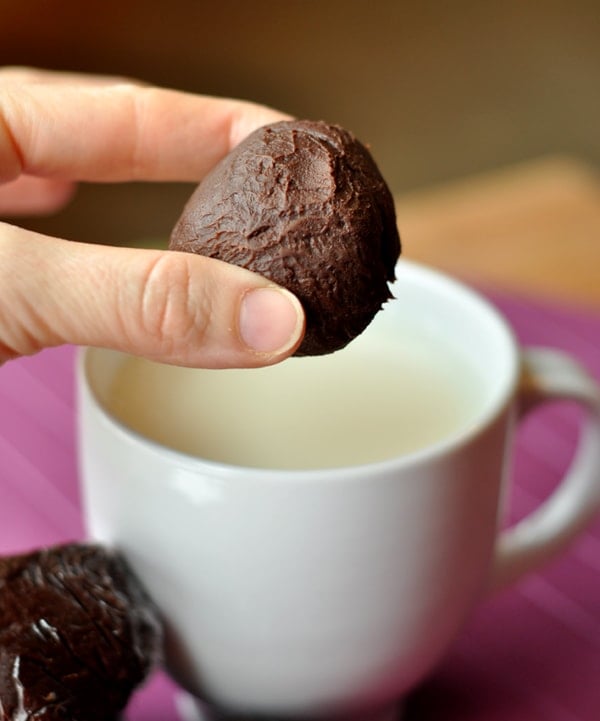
(77, 634)
(303, 204)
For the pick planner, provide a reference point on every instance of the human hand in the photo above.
(60, 128)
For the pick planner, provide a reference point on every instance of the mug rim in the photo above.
(446, 445)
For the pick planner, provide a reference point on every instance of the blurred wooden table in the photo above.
(533, 229)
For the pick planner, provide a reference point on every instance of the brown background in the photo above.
(440, 90)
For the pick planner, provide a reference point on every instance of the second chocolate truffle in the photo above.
(77, 634)
(303, 204)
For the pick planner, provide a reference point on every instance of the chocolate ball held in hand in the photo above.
(303, 204)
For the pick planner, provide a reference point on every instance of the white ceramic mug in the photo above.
(331, 592)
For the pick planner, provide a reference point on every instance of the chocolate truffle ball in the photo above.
(77, 634)
(303, 204)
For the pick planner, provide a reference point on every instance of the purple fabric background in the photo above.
(531, 653)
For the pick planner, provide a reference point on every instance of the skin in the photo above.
(60, 128)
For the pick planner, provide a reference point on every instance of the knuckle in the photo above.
(11, 155)
(139, 102)
(171, 314)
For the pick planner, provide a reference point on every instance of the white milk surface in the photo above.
(373, 400)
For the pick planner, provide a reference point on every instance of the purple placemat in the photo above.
(531, 654)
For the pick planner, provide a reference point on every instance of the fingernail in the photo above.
(271, 320)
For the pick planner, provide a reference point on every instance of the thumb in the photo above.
(172, 307)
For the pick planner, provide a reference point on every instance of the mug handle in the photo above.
(552, 375)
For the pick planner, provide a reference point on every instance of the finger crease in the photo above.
(10, 170)
(156, 300)
(138, 121)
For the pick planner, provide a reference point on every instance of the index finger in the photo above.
(118, 132)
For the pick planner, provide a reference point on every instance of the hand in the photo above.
(60, 128)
